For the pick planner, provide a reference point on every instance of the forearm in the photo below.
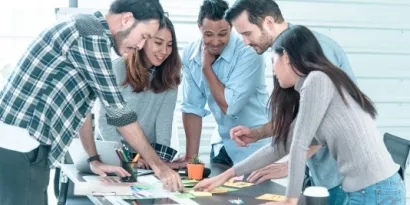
(312, 150)
(134, 135)
(216, 87)
(264, 131)
(87, 137)
(193, 127)
(264, 156)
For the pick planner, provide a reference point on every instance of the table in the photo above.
(247, 194)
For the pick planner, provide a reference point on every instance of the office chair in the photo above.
(399, 149)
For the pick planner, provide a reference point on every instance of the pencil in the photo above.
(119, 154)
(136, 158)
(124, 155)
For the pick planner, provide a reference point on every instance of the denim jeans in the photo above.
(391, 191)
(221, 158)
(337, 196)
(24, 177)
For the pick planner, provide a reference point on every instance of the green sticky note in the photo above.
(184, 195)
(189, 181)
(231, 189)
(143, 186)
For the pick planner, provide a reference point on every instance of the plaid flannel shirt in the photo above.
(164, 152)
(57, 80)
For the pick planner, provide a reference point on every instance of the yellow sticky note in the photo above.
(219, 190)
(271, 197)
(238, 184)
(200, 193)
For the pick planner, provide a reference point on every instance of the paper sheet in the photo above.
(271, 197)
(238, 184)
(282, 181)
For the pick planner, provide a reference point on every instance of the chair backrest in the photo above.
(399, 149)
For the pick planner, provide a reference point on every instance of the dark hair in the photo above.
(142, 10)
(306, 55)
(213, 10)
(166, 76)
(257, 11)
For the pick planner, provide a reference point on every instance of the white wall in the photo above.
(374, 34)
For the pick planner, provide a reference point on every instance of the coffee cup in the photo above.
(316, 195)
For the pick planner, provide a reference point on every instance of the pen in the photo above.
(119, 155)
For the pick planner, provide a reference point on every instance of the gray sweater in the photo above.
(155, 111)
(350, 134)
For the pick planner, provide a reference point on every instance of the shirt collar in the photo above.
(103, 21)
(227, 54)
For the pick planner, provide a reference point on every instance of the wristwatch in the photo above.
(94, 158)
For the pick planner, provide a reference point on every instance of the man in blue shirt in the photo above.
(260, 22)
(220, 70)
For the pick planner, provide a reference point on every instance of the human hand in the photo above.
(179, 163)
(181, 158)
(213, 182)
(273, 171)
(142, 164)
(170, 179)
(102, 169)
(207, 58)
(243, 136)
(176, 165)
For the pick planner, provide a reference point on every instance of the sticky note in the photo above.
(189, 181)
(238, 184)
(220, 190)
(142, 186)
(200, 193)
(184, 195)
(238, 178)
(271, 197)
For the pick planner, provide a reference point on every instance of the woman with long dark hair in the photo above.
(316, 104)
(149, 79)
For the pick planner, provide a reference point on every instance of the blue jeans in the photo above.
(390, 191)
(337, 196)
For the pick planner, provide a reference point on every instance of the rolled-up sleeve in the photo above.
(94, 61)
(193, 100)
(243, 81)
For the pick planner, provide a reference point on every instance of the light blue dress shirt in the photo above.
(241, 70)
(323, 168)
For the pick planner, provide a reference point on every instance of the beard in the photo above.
(265, 42)
(119, 38)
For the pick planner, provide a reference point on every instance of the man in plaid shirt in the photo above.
(51, 92)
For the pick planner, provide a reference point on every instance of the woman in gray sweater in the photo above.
(316, 104)
(148, 81)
